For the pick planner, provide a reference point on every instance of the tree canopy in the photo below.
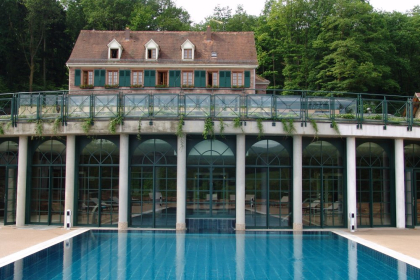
(328, 45)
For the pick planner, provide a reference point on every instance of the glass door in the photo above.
(410, 205)
(10, 180)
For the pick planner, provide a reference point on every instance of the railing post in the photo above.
(385, 112)
(359, 113)
(409, 114)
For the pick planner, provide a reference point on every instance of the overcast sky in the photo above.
(201, 9)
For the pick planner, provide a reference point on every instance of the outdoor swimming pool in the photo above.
(168, 255)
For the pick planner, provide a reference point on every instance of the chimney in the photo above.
(208, 33)
(127, 33)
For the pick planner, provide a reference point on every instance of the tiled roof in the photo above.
(231, 47)
(261, 80)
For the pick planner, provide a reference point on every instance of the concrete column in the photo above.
(67, 258)
(351, 180)
(181, 183)
(399, 183)
(240, 182)
(352, 256)
(123, 183)
(122, 255)
(297, 182)
(298, 256)
(70, 172)
(180, 255)
(21, 182)
(240, 255)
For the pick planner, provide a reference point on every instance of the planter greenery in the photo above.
(288, 126)
(161, 86)
(187, 86)
(86, 86)
(112, 86)
(118, 120)
(136, 86)
(208, 129)
(260, 129)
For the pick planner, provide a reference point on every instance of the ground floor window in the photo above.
(8, 181)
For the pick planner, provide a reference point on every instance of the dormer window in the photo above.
(188, 49)
(152, 50)
(114, 50)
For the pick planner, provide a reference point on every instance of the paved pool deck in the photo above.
(18, 239)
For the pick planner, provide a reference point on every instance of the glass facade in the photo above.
(47, 189)
(412, 184)
(153, 183)
(323, 184)
(8, 181)
(268, 187)
(97, 196)
(375, 200)
(211, 173)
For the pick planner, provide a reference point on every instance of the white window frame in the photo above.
(187, 45)
(237, 79)
(112, 77)
(187, 78)
(137, 77)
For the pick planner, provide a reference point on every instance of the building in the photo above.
(165, 130)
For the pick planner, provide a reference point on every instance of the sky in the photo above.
(199, 9)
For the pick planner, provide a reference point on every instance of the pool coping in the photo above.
(39, 247)
(379, 248)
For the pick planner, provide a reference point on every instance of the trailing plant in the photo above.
(179, 129)
(288, 126)
(8, 124)
(222, 128)
(335, 127)
(87, 125)
(208, 129)
(118, 120)
(139, 130)
(237, 123)
(315, 127)
(39, 128)
(260, 129)
(1, 129)
(56, 124)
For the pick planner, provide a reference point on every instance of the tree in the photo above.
(107, 14)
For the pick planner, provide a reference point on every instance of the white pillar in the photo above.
(297, 182)
(180, 255)
(67, 258)
(181, 183)
(399, 183)
(240, 255)
(21, 182)
(351, 180)
(352, 257)
(70, 172)
(240, 182)
(123, 183)
(122, 255)
(298, 256)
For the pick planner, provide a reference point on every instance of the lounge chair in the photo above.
(335, 207)
(313, 206)
(284, 201)
(214, 197)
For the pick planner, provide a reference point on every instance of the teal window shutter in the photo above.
(77, 77)
(174, 78)
(227, 79)
(199, 78)
(149, 78)
(247, 79)
(102, 79)
(122, 78)
(97, 76)
(127, 78)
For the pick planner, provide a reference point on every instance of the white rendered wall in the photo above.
(351, 180)
(123, 183)
(21, 181)
(399, 183)
(240, 182)
(297, 182)
(70, 172)
(181, 183)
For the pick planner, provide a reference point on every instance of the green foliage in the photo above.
(335, 127)
(237, 123)
(288, 126)
(208, 129)
(1, 129)
(87, 125)
(118, 120)
(139, 130)
(222, 128)
(315, 127)
(260, 129)
(39, 129)
(55, 126)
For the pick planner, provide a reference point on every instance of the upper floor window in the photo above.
(88, 77)
(152, 50)
(237, 79)
(114, 50)
(187, 78)
(212, 79)
(188, 49)
(112, 77)
(137, 77)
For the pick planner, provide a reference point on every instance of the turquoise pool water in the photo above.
(168, 255)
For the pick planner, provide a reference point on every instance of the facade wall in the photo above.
(318, 181)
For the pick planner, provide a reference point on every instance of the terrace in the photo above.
(276, 105)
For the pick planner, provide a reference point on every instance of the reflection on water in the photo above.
(169, 255)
